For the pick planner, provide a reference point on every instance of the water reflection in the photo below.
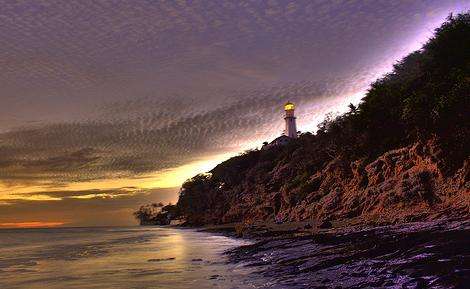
(118, 258)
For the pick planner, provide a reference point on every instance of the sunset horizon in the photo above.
(116, 119)
(273, 144)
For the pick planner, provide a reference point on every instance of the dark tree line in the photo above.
(156, 214)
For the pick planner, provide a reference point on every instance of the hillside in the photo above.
(401, 155)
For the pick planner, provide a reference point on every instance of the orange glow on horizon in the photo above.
(168, 178)
(31, 224)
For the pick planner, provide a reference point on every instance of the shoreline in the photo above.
(421, 254)
(430, 254)
(266, 230)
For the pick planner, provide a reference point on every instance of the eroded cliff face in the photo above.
(401, 185)
(406, 184)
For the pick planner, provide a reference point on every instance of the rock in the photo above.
(403, 184)
(325, 225)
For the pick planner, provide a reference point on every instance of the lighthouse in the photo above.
(291, 128)
(290, 131)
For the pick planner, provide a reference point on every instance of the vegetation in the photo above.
(156, 214)
(426, 96)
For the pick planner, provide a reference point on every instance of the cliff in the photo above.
(404, 184)
(401, 155)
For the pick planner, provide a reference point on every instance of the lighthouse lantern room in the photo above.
(291, 128)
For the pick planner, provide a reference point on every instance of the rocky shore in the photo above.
(431, 254)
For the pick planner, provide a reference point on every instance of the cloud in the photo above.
(130, 145)
(72, 210)
(104, 90)
(85, 194)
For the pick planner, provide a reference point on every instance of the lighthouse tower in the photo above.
(291, 128)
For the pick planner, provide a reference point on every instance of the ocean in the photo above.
(431, 254)
(113, 257)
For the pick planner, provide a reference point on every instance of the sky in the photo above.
(108, 105)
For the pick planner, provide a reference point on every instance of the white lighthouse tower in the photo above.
(291, 128)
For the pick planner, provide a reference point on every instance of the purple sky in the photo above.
(96, 96)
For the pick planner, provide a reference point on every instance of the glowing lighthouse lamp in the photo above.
(291, 128)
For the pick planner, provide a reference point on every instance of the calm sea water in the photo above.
(137, 257)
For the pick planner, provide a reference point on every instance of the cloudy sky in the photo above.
(106, 105)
